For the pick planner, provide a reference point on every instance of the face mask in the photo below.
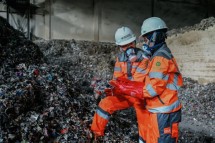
(150, 43)
(147, 50)
(121, 50)
(130, 53)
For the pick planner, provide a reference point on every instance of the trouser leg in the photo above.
(165, 126)
(142, 119)
(106, 107)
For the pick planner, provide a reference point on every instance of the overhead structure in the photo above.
(24, 8)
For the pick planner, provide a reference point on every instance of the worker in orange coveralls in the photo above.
(161, 85)
(131, 64)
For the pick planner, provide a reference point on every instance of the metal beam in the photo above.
(181, 1)
(97, 18)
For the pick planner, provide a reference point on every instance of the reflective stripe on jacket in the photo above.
(162, 83)
(132, 70)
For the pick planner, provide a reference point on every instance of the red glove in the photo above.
(112, 90)
(124, 86)
(108, 92)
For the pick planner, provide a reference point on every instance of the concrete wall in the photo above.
(98, 19)
(195, 54)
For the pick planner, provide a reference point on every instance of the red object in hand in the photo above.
(127, 87)
(112, 91)
(108, 92)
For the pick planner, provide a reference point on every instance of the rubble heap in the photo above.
(191, 94)
(83, 60)
(198, 115)
(204, 24)
(15, 48)
(53, 101)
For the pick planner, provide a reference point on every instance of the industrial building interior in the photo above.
(51, 51)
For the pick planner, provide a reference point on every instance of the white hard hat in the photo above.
(124, 36)
(152, 24)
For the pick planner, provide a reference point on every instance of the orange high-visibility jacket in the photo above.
(110, 104)
(131, 70)
(162, 83)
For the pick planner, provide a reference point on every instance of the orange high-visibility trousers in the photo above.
(161, 127)
(110, 104)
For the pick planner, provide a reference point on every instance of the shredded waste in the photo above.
(47, 93)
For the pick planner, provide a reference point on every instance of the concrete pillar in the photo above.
(97, 18)
(28, 20)
(8, 11)
(48, 20)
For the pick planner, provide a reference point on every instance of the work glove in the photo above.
(108, 92)
(124, 86)
(111, 91)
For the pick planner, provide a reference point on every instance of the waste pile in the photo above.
(204, 24)
(51, 99)
(189, 94)
(15, 48)
(198, 115)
